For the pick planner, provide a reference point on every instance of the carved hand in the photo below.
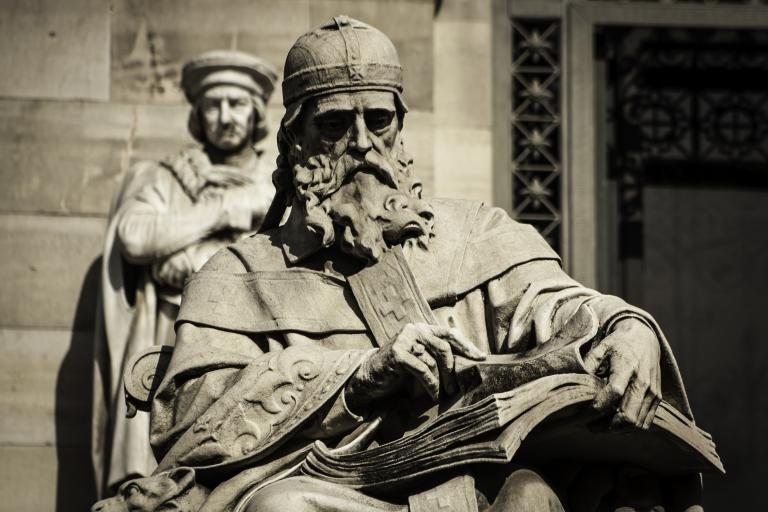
(246, 206)
(173, 270)
(421, 352)
(629, 357)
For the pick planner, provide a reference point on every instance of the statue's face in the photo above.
(354, 175)
(226, 113)
(349, 121)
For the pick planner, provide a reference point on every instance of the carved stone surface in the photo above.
(151, 41)
(369, 346)
(32, 248)
(53, 50)
(74, 154)
(174, 490)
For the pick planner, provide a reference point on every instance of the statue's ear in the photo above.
(184, 478)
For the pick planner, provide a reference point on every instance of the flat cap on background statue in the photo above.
(342, 54)
(227, 67)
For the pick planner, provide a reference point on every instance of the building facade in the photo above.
(633, 135)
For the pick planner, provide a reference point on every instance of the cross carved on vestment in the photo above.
(392, 304)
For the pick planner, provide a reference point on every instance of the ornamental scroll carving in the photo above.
(276, 394)
(143, 374)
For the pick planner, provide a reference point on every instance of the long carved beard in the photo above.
(365, 205)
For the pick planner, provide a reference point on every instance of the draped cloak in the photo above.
(166, 210)
(269, 333)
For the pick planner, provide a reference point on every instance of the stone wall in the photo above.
(89, 87)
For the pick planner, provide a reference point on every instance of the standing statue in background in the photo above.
(378, 351)
(166, 220)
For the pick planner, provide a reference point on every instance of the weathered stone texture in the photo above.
(68, 157)
(54, 49)
(46, 273)
(463, 164)
(152, 40)
(417, 132)
(44, 478)
(461, 49)
(45, 378)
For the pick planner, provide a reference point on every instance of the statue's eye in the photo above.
(209, 107)
(240, 103)
(378, 119)
(333, 124)
(416, 189)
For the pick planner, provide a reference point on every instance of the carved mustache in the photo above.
(373, 160)
(324, 178)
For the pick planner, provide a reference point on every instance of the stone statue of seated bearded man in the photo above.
(274, 352)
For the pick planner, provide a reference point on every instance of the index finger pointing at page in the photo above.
(459, 342)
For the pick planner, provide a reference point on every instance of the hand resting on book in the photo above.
(629, 358)
(422, 353)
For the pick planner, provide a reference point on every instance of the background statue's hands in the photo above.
(246, 206)
(173, 270)
(420, 352)
(629, 358)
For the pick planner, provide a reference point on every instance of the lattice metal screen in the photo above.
(536, 125)
(672, 108)
(689, 106)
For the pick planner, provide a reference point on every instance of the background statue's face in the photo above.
(226, 113)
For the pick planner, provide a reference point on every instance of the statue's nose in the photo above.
(361, 141)
(225, 114)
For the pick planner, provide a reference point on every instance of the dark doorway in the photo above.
(686, 199)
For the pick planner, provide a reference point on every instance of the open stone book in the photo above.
(532, 407)
(543, 399)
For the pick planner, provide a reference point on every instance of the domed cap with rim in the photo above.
(343, 54)
(228, 67)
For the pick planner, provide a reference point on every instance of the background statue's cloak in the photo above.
(135, 312)
(125, 324)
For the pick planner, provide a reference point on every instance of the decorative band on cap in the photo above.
(324, 79)
(227, 67)
(224, 77)
(352, 46)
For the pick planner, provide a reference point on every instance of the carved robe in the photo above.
(164, 224)
(269, 333)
